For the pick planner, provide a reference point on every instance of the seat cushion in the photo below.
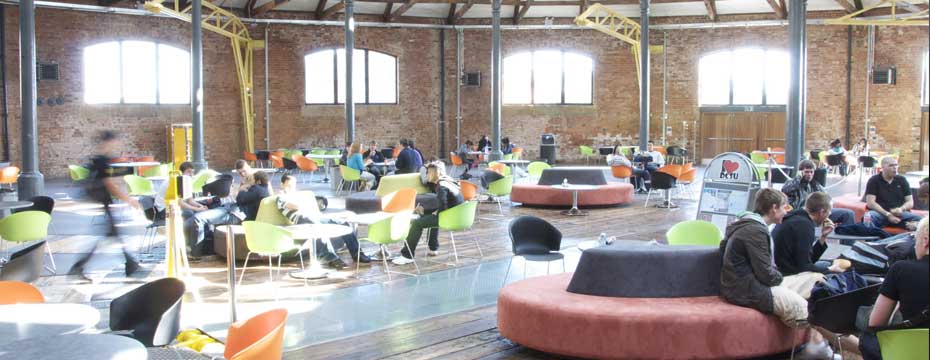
(368, 202)
(574, 175)
(539, 313)
(851, 202)
(545, 195)
(392, 183)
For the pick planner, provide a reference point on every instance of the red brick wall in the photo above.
(65, 132)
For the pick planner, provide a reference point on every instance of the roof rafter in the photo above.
(266, 7)
(520, 11)
(333, 9)
(401, 10)
(849, 7)
(711, 6)
(779, 11)
(451, 17)
(461, 12)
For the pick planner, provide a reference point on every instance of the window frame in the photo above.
(561, 102)
(731, 105)
(336, 80)
(122, 98)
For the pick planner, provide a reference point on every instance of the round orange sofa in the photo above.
(545, 195)
(539, 313)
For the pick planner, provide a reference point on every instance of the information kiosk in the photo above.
(730, 185)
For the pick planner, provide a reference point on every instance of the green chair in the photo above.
(139, 186)
(760, 163)
(500, 188)
(390, 230)
(349, 175)
(458, 218)
(268, 240)
(694, 232)
(535, 169)
(587, 152)
(904, 344)
(27, 226)
(77, 174)
(757, 158)
(334, 152)
(202, 178)
(160, 170)
(508, 156)
(627, 151)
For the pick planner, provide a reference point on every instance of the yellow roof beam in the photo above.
(907, 17)
(610, 22)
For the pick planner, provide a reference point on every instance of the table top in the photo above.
(323, 156)
(24, 321)
(135, 164)
(368, 219)
(513, 161)
(75, 346)
(157, 178)
(776, 166)
(14, 204)
(318, 231)
(383, 163)
(577, 187)
(919, 173)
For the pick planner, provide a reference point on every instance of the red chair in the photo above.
(258, 338)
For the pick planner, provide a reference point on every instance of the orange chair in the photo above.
(779, 158)
(469, 190)
(258, 338)
(660, 149)
(621, 171)
(456, 164)
(672, 169)
(8, 176)
(18, 292)
(498, 168)
(517, 153)
(120, 160)
(248, 156)
(278, 153)
(400, 201)
(686, 178)
(304, 165)
(277, 162)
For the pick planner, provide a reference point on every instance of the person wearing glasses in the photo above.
(888, 197)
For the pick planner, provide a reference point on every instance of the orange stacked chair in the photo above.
(304, 164)
(688, 172)
(8, 176)
(258, 338)
(251, 157)
(277, 162)
(456, 163)
(779, 158)
(400, 201)
(498, 168)
(469, 190)
(621, 171)
(18, 292)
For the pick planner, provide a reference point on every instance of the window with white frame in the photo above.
(926, 89)
(548, 77)
(750, 76)
(374, 79)
(136, 72)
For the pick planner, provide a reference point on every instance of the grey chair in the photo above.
(534, 239)
(26, 264)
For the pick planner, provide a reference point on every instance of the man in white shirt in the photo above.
(657, 159)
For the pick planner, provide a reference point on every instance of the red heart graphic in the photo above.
(730, 166)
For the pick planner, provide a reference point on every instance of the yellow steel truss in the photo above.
(910, 17)
(610, 22)
(227, 24)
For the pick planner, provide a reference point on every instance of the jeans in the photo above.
(326, 251)
(195, 226)
(880, 221)
(416, 230)
(843, 216)
(868, 346)
(640, 177)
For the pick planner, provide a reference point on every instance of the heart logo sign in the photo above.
(730, 166)
(728, 170)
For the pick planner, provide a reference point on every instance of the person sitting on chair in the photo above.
(800, 187)
(355, 161)
(797, 250)
(294, 211)
(449, 194)
(906, 287)
(463, 151)
(371, 156)
(409, 160)
(506, 146)
(888, 197)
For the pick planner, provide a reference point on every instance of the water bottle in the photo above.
(602, 239)
(867, 219)
(565, 182)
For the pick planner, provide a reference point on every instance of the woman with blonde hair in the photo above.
(355, 161)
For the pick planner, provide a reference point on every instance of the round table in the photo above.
(574, 211)
(591, 244)
(75, 347)
(6, 206)
(311, 232)
(513, 164)
(24, 321)
(329, 162)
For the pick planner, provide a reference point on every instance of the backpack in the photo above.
(876, 257)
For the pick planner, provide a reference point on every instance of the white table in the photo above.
(513, 164)
(135, 165)
(24, 321)
(329, 162)
(6, 206)
(574, 211)
(311, 232)
(75, 347)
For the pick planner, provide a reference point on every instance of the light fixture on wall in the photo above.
(548, 21)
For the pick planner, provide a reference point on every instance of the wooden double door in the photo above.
(741, 132)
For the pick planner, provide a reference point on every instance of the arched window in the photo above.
(374, 80)
(136, 72)
(749, 76)
(548, 77)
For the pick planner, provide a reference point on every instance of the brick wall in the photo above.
(65, 131)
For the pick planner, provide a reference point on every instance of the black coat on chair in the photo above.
(662, 181)
(39, 203)
(152, 312)
(535, 239)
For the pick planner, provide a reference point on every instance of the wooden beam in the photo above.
(320, 6)
(711, 6)
(518, 14)
(451, 17)
(387, 10)
(249, 7)
(268, 6)
(858, 4)
(521, 2)
(333, 9)
(461, 12)
(583, 6)
(779, 11)
(849, 7)
(401, 10)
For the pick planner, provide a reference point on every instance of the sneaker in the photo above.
(432, 253)
(821, 351)
(400, 260)
(131, 267)
(362, 258)
(337, 264)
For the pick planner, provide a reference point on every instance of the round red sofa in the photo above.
(539, 313)
(855, 203)
(608, 194)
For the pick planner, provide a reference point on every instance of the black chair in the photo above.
(867, 162)
(815, 155)
(219, 187)
(534, 239)
(156, 218)
(151, 312)
(676, 154)
(662, 181)
(837, 313)
(837, 162)
(25, 265)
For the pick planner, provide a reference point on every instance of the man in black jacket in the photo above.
(797, 248)
(804, 184)
(409, 160)
(449, 195)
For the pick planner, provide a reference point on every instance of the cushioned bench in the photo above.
(543, 194)
(855, 203)
(370, 201)
(639, 302)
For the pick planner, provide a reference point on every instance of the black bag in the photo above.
(835, 284)
(876, 257)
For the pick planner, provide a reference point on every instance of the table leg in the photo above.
(574, 211)
(315, 271)
(329, 164)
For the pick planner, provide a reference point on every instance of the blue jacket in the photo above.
(356, 162)
(408, 161)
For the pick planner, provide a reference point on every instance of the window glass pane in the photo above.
(714, 77)
(358, 75)
(578, 79)
(518, 72)
(748, 73)
(101, 74)
(547, 77)
(776, 77)
(139, 72)
(382, 78)
(174, 75)
(319, 85)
